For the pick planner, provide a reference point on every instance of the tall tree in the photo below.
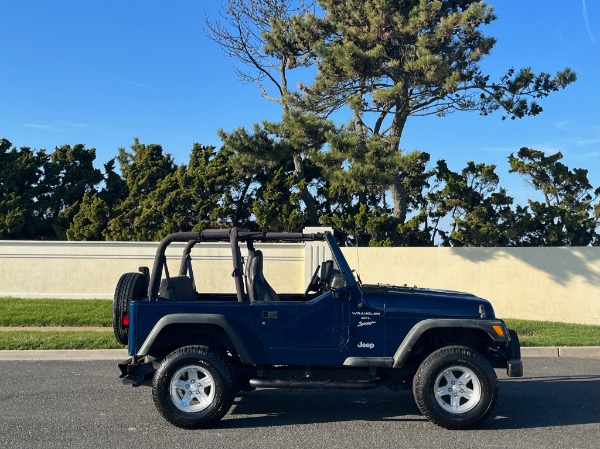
(478, 210)
(90, 220)
(138, 216)
(20, 176)
(260, 165)
(115, 187)
(69, 174)
(261, 35)
(388, 60)
(358, 168)
(196, 196)
(569, 214)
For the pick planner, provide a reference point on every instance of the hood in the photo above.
(427, 302)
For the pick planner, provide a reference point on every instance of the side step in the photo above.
(278, 383)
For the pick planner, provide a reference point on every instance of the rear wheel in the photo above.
(194, 387)
(455, 387)
(131, 286)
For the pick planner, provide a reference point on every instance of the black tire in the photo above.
(455, 387)
(203, 375)
(130, 286)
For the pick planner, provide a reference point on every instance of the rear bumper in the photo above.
(136, 372)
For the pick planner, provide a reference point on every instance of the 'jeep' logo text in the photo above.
(366, 345)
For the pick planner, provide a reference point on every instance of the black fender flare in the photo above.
(194, 318)
(421, 327)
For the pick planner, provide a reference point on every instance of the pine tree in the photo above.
(388, 60)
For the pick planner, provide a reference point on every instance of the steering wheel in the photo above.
(315, 283)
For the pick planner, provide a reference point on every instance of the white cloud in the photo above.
(38, 126)
(76, 125)
(586, 20)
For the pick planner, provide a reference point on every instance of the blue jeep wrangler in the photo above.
(199, 350)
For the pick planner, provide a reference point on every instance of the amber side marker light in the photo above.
(498, 330)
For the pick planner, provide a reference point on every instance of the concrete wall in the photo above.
(92, 269)
(550, 284)
(553, 284)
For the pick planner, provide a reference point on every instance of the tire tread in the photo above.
(209, 355)
(449, 355)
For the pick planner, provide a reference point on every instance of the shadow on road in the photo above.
(523, 403)
(547, 402)
(291, 407)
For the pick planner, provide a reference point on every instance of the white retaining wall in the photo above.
(552, 284)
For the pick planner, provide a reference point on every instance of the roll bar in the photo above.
(232, 235)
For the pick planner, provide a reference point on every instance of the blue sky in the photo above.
(102, 73)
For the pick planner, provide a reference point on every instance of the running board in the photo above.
(277, 383)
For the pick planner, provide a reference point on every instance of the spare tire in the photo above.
(131, 286)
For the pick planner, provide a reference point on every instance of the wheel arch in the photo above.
(177, 330)
(430, 335)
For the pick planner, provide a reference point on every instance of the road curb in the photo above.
(65, 354)
(587, 352)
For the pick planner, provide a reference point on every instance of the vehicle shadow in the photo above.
(268, 408)
(523, 403)
(547, 402)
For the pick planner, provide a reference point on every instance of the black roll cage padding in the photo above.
(234, 236)
(186, 258)
(160, 260)
(185, 268)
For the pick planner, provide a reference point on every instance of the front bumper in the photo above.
(136, 372)
(514, 366)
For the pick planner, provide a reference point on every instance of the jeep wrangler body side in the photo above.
(338, 333)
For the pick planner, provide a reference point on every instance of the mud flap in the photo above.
(135, 373)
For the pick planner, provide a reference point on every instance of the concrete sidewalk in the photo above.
(588, 352)
(65, 354)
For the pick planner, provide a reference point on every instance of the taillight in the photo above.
(126, 320)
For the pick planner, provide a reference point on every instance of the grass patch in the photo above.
(40, 339)
(547, 333)
(55, 312)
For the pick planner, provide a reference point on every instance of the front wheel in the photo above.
(193, 387)
(455, 387)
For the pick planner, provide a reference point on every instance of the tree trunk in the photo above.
(397, 190)
(399, 199)
(307, 198)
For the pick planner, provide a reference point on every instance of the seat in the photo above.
(326, 274)
(256, 284)
(247, 272)
(177, 288)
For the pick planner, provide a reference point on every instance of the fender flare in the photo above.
(193, 318)
(421, 327)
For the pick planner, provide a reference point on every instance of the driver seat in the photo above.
(258, 287)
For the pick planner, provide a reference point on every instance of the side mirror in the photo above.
(340, 292)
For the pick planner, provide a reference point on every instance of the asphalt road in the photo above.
(62, 404)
